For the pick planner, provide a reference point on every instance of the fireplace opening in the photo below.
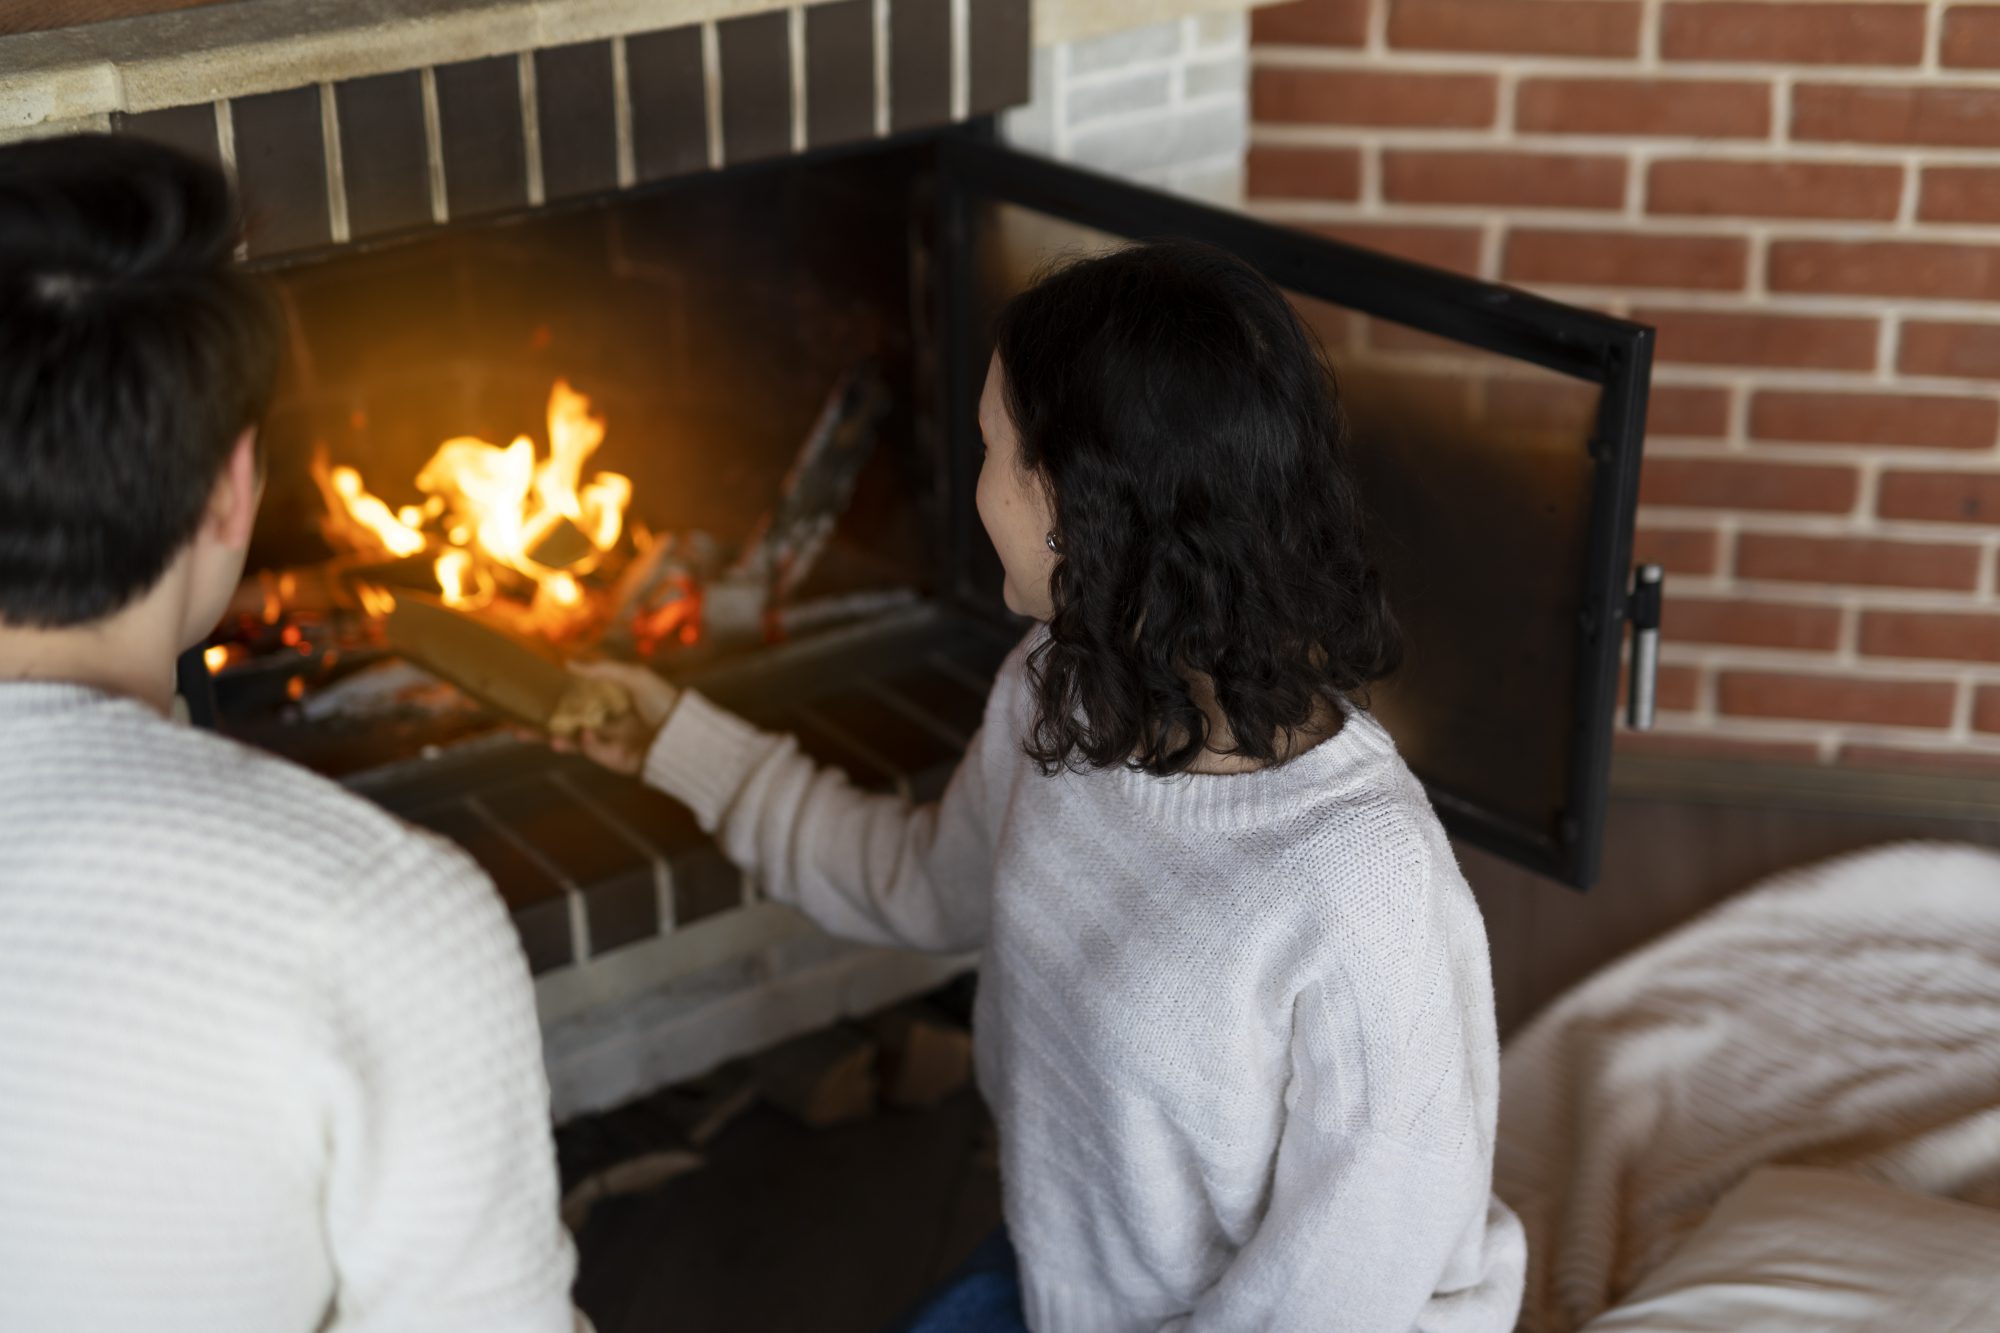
(677, 427)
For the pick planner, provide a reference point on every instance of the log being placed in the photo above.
(522, 678)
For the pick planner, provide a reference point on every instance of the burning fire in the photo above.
(497, 518)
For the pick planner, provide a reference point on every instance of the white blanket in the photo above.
(1846, 1015)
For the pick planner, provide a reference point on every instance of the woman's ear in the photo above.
(232, 509)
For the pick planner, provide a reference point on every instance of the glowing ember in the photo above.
(215, 658)
(495, 518)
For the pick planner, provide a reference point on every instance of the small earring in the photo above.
(1051, 539)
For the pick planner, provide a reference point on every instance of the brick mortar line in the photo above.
(1712, 301)
(1868, 493)
(1827, 597)
(1961, 712)
(1786, 523)
(1779, 729)
(1888, 344)
(1733, 375)
(1114, 74)
(1713, 659)
(1126, 118)
(711, 90)
(1906, 220)
(338, 229)
(440, 200)
(1849, 596)
(621, 115)
(1582, 143)
(961, 58)
(1541, 65)
(1823, 664)
(1746, 380)
(1820, 452)
(1611, 221)
(665, 906)
(795, 76)
(878, 17)
(531, 127)
(1750, 726)
(1728, 534)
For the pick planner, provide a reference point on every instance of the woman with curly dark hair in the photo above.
(1235, 1016)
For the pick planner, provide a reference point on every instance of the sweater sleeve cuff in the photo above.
(703, 756)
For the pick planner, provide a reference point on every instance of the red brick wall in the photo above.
(1804, 198)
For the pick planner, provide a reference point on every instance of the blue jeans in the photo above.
(984, 1296)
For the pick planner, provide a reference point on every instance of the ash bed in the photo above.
(1785, 1115)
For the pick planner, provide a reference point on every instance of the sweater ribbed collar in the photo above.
(1262, 796)
(22, 699)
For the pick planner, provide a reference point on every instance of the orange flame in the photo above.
(490, 509)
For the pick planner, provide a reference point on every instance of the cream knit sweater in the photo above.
(1237, 1031)
(268, 1058)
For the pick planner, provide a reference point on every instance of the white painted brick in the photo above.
(1146, 91)
(1219, 182)
(1032, 127)
(1211, 78)
(1161, 142)
(1225, 31)
(1159, 41)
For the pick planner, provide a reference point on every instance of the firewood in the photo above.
(561, 546)
(634, 1175)
(787, 541)
(507, 673)
(823, 1078)
(925, 1057)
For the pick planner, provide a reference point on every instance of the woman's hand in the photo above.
(620, 743)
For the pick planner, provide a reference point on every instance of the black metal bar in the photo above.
(1481, 314)
(1468, 821)
(1615, 449)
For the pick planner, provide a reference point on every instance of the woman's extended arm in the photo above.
(871, 868)
(877, 869)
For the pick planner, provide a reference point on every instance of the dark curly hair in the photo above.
(1188, 430)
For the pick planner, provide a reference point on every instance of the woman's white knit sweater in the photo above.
(268, 1058)
(1237, 1031)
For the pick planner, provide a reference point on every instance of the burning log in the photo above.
(562, 545)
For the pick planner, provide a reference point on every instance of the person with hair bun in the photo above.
(1235, 1011)
(269, 1060)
